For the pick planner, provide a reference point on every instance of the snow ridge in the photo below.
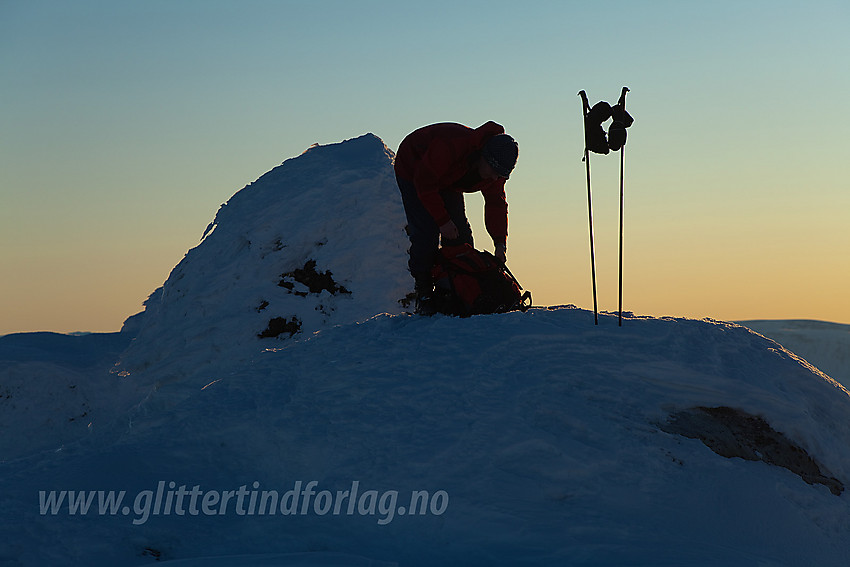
(824, 344)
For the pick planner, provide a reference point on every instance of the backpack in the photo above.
(471, 282)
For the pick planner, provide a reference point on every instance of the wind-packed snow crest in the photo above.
(821, 342)
(315, 242)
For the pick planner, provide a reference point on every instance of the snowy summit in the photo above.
(275, 405)
(317, 241)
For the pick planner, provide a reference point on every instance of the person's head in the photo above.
(498, 157)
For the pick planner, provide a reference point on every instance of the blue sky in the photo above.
(126, 124)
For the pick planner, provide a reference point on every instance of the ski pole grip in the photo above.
(585, 105)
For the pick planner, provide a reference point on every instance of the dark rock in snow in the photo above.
(732, 433)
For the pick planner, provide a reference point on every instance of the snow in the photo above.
(824, 344)
(539, 437)
(337, 205)
(52, 387)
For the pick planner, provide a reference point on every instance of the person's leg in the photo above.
(421, 229)
(424, 241)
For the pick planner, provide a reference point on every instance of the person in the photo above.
(434, 166)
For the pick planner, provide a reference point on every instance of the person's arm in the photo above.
(496, 215)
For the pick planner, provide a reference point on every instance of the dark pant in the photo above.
(423, 230)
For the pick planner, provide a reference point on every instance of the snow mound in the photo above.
(552, 439)
(824, 344)
(315, 242)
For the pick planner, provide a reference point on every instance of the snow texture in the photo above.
(824, 344)
(540, 438)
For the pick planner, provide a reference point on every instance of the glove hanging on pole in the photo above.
(621, 121)
(594, 134)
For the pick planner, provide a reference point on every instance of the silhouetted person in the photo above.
(434, 166)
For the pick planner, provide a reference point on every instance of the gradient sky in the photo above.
(125, 124)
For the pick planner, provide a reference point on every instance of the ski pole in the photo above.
(585, 108)
(622, 103)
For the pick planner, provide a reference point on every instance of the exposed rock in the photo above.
(732, 432)
(279, 325)
(315, 281)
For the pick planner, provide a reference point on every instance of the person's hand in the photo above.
(449, 231)
(502, 253)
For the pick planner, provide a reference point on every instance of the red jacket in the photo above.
(436, 158)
